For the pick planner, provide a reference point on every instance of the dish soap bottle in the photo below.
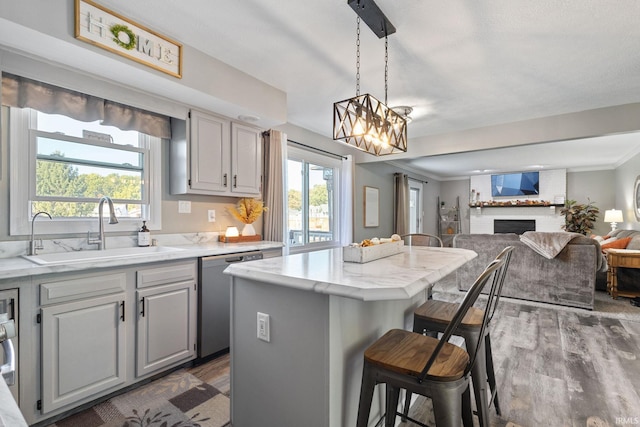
(144, 235)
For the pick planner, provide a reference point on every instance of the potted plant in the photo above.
(579, 218)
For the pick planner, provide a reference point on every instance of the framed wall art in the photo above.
(108, 30)
(371, 207)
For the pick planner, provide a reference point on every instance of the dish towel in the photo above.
(547, 244)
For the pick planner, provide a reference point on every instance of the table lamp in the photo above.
(614, 216)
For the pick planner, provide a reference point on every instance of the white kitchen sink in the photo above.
(95, 255)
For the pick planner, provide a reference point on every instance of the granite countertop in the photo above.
(20, 267)
(400, 276)
(10, 414)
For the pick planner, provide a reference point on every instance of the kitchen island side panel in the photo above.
(354, 326)
(284, 382)
(310, 372)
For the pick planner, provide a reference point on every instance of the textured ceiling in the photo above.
(459, 64)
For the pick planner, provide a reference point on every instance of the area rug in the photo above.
(177, 400)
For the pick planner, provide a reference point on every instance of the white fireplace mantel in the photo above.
(547, 218)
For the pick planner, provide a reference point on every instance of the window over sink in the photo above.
(63, 166)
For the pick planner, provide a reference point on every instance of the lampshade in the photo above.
(613, 215)
(369, 125)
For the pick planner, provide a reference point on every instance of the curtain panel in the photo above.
(21, 92)
(401, 205)
(346, 200)
(275, 146)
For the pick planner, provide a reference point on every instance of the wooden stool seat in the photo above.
(442, 312)
(407, 353)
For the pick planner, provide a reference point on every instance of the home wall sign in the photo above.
(115, 33)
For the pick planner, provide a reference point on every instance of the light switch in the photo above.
(184, 206)
(211, 215)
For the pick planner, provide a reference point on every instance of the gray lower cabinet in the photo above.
(166, 323)
(84, 344)
(107, 329)
(166, 330)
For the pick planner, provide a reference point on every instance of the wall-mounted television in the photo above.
(515, 184)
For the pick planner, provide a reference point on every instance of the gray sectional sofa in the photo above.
(568, 279)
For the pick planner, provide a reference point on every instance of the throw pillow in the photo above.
(616, 244)
(598, 239)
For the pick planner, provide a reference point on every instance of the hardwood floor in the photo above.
(214, 373)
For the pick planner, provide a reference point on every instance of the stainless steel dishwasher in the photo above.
(214, 300)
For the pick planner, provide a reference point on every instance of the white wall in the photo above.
(598, 187)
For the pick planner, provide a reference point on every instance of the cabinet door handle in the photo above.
(142, 307)
(235, 181)
(224, 178)
(122, 308)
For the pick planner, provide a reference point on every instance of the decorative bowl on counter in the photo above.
(362, 254)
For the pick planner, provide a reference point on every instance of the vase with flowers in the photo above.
(248, 211)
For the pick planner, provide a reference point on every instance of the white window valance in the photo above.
(21, 92)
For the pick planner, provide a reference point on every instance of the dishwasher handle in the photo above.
(234, 258)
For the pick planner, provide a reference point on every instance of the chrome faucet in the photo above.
(34, 245)
(100, 241)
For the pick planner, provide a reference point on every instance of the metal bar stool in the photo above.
(422, 239)
(435, 316)
(425, 365)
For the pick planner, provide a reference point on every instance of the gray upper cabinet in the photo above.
(246, 160)
(212, 155)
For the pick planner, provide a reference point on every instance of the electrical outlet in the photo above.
(263, 327)
(211, 215)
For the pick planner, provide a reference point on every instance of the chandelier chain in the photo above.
(386, 68)
(358, 58)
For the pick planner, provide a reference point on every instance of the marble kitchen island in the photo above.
(323, 313)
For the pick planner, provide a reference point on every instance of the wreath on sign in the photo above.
(116, 29)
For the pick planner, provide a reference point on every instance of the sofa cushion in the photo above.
(634, 244)
(625, 233)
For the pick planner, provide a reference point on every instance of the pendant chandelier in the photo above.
(363, 121)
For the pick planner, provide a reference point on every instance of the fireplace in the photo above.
(517, 226)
